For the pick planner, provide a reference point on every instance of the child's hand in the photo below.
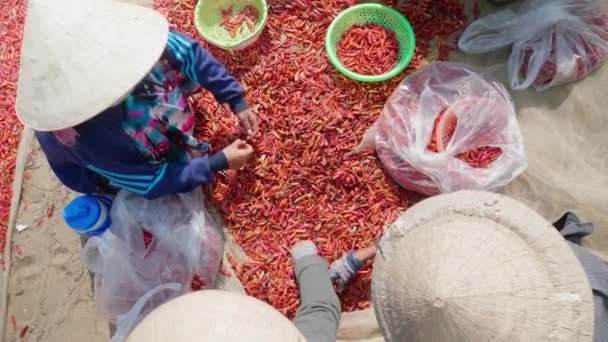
(238, 153)
(249, 122)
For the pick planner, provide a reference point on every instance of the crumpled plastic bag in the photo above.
(553, 42)
(131, 279)
(485, 118)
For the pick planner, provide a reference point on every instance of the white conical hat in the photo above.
(478, 266)
(80, 56)
(212, 315)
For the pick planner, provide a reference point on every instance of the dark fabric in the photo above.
(596, 269)
(218, 162)
(103, 150)
(319, 313)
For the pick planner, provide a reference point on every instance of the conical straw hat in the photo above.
(212, 315)
(80, 56)
(478, 266)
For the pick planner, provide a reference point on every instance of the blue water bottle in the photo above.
(89, 214)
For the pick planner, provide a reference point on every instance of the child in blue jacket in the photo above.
(142, 142)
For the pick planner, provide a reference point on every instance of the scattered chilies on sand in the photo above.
(234, 23)
(299, 186)
(368, 49)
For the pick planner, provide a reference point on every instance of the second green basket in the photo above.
(374, 14)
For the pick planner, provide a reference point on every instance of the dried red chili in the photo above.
(224, 271)
(480, 157)
(298, 187)
(23, 331)
(18, 250)
(233, 23)
(147, 238)
(476, 10)
(49, 210)
(368, 49)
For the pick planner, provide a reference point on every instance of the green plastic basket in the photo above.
(208, 15)
(376, 14)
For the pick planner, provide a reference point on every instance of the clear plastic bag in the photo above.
(553, 42)
(185, 243)
(485, 119)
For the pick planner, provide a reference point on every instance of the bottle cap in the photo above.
(82, 213)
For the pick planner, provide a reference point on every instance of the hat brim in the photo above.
(212, 315)
(80, 57)
(478, 266)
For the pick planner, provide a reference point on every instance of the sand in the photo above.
(50, 291)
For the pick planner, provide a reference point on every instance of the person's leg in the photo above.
(319, 313)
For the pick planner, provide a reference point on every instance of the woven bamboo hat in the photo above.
(213, 315)
(478, 266)
(80, 56)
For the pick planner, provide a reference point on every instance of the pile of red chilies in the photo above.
(12, 15)
(234, 23)
(480, 157)
(368, 49)
(298, 186)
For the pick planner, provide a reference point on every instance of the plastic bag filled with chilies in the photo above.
(553, 42)
(133, 277)
(485, 123)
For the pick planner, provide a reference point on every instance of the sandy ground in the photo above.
(50, 291)
(564, 130)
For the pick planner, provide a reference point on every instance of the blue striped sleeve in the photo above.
(139, 184)
(155, 181)
(199, 66)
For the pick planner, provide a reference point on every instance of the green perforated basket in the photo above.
(375, 14)
(208, 15)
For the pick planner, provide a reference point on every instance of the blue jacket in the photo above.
(104, 153)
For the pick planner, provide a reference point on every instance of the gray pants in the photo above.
(319, 313)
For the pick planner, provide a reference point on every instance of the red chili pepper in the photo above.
(480, 157)
(224, 271)
(368, 49)
(476, 10)
(18, 250)
(234, 23)
(14, 322)
(49, 210)
(147, 238)
(23, 331)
